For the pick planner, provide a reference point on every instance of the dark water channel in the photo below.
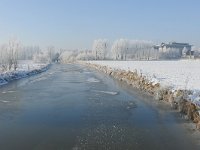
(71, 107)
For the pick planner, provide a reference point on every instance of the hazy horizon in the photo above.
(75, 24)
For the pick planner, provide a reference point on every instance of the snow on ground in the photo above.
(182, 74)
(25, 68)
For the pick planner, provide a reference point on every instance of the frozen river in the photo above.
(71, 107)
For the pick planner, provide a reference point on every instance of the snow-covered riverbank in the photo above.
(184, 75)
(177, 82)
(25, 68)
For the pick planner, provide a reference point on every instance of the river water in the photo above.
(71, 107)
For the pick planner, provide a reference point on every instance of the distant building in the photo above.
(174, 50)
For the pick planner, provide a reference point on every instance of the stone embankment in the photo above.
(176, 98)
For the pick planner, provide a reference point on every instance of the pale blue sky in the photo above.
(76, 23)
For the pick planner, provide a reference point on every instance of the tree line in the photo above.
(126, 49)
(13, 51)
(102, 49)
(121, 49)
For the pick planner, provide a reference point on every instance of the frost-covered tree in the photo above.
(13, 51)
(10, 54)
(143, 50)
(196, 52)
(120, 49)
(27, 52)
(124, 49)
(46, 56)
(68, 56)
(51, 53)
(3, 57)
(100, 49)
(41, 57)
(85, 55)
(184, 51)
(171, 53)
(56, 57)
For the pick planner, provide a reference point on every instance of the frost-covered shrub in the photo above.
(85, 55)
(41, 57)
(68, 56)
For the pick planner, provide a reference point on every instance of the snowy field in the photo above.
(183, 74)
(25, 68)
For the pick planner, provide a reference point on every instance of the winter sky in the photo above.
(75, 24)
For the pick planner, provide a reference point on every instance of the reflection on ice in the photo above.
(106, 92)
(86, 72)
(3, 101)
(4, 92)
(93, 80)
